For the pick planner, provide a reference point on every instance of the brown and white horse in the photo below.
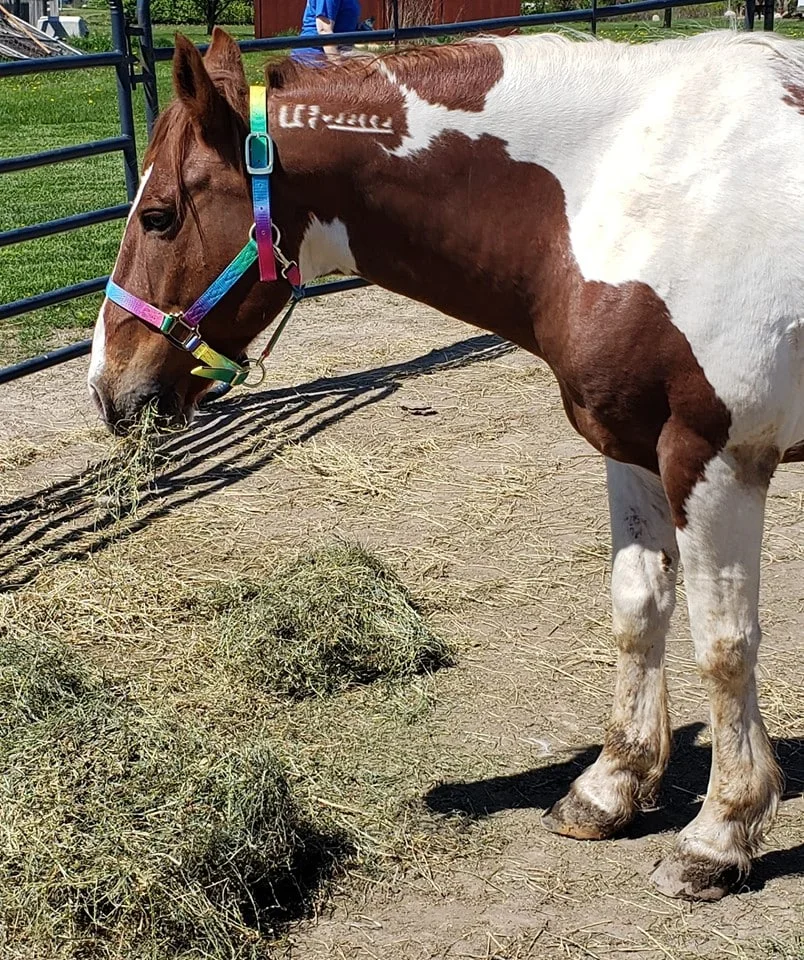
(600, 205)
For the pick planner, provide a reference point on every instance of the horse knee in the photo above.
(643, 595)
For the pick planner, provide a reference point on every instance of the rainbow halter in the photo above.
(181, 328)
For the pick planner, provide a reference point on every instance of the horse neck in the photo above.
(458, 205)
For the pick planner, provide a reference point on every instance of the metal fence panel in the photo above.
(126, 64)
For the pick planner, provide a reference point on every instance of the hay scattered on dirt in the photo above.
(330, 619)
(17, 452)
(128, 833)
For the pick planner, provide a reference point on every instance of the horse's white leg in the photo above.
(720, 549)
(636, 745)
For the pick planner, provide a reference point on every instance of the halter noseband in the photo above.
(181, 328)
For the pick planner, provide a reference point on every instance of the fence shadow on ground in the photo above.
(685, 782)
(231, 440)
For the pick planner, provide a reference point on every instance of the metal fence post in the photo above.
(769, 11)
(668, 17)
(120, 41)
(750, 13)
(395, 17)
(148, 64)
(594, 18)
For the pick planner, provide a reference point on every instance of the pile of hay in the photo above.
(132, 834)
(330, 619)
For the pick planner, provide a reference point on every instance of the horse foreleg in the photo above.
(636, 744)
(720, 548)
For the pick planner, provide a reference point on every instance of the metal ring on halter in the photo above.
(277, 238)
(250, 365)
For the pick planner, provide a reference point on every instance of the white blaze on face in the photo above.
(325, 249)
(98, 355)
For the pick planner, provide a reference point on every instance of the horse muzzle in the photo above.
(124, 411)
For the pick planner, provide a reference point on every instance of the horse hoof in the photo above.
(694, 878)
(575, 817)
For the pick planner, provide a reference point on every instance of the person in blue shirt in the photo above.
(327, 16)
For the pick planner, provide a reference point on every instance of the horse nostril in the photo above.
(96, 399)
(105, 407)
(102, 402)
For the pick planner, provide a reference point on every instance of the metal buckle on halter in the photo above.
(187, 337)
(259, 169)
(286, 265)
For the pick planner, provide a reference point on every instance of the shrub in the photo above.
(197, 11)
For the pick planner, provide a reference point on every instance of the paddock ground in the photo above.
(446, 452)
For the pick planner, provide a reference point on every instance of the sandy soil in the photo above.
(447, 451)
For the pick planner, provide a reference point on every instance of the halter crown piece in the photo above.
(263, 246)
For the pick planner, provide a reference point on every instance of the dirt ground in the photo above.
(447, 452)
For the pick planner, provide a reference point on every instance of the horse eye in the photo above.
(158, 221)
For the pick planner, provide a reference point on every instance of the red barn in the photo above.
(272, 17)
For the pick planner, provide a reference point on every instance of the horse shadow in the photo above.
(230, 440)
(682, 793)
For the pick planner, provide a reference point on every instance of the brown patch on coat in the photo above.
(308, 101)
(458, 77)
(484, 238)
(794, 97)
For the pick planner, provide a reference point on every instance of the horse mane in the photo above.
(467, 61)
(425, 63)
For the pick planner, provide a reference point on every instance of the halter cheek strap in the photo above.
(263, 246)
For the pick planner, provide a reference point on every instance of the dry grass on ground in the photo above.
(129, 832)
(448, 457)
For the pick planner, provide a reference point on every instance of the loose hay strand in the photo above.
(131, 467)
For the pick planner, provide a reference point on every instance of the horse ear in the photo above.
(224, 55)
(225, 65)
(194, 87)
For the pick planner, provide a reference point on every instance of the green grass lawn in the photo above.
(42, 111)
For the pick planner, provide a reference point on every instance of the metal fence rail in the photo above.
(134, 70)
(54, 357)
(125, 144)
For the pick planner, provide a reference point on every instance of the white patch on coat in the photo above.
(98, 355)
(666, 185)
(325, 249)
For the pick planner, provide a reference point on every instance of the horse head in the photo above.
(190, 218)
